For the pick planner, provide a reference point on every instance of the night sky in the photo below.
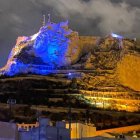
(88, 17)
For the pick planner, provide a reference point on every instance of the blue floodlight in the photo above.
(69, 74)
(116, 36)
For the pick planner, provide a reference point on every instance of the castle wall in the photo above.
(88, 43)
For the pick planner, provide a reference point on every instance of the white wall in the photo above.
(8, 131)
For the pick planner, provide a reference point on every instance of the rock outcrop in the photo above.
(55, 45)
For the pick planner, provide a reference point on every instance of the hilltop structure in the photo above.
(56, 47)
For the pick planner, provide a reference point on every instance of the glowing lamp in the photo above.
(69, 74)
(116, 36)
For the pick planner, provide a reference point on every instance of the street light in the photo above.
(11, 102)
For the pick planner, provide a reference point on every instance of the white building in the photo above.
(82, 131)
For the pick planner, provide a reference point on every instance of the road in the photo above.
(66, 109)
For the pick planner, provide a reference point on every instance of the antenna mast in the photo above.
(44, 20)
(49, 18)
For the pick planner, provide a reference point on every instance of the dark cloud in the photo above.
(133, 3)
(88, 17)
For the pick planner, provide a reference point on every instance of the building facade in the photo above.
(45, 131)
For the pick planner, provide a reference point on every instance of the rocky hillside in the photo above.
(96, 62)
